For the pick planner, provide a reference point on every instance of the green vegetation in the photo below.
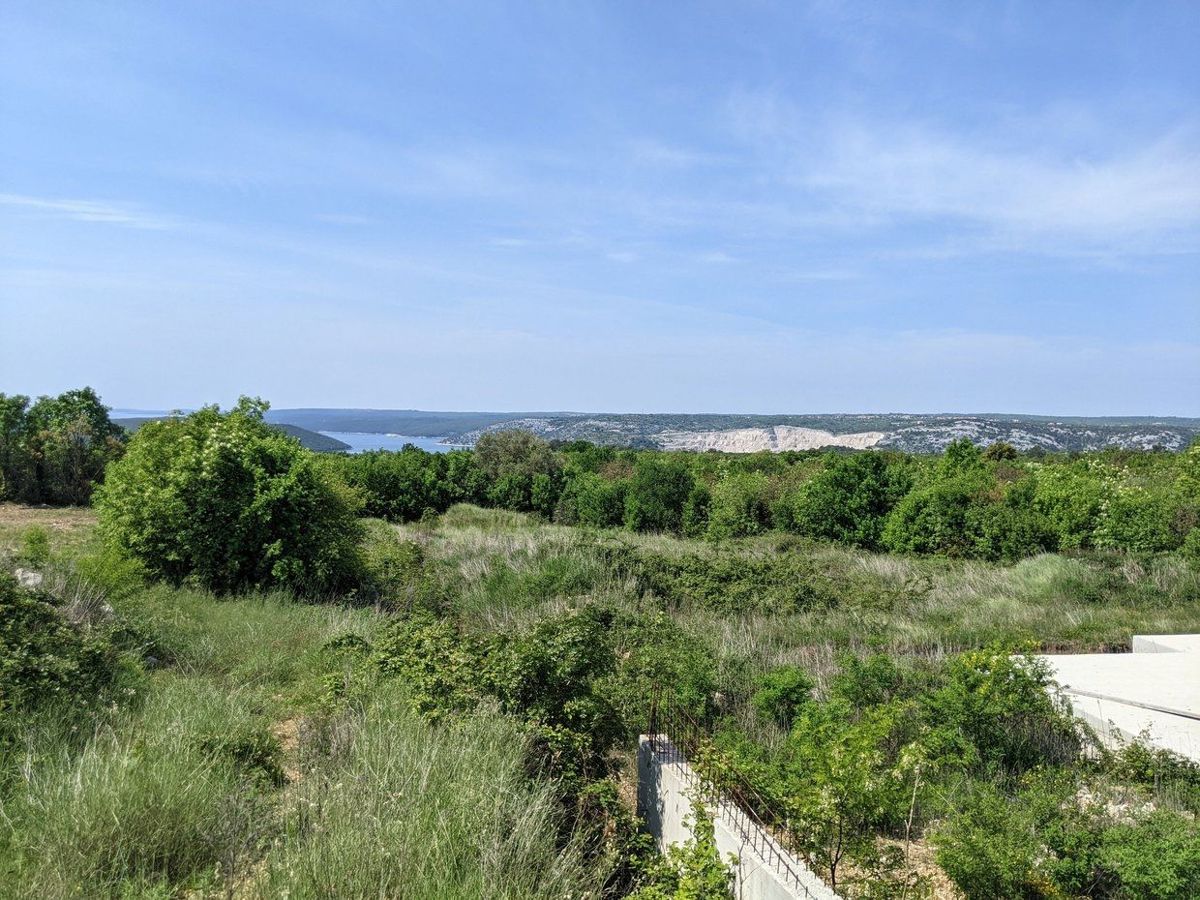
(225, 501)
(966, 504)
(55, 450)
(227, 683)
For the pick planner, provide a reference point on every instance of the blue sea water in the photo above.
(360, 441)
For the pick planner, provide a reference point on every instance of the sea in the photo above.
(360, 441)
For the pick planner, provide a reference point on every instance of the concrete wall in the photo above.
(667, 786)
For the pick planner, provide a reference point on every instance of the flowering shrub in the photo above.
(222, 500)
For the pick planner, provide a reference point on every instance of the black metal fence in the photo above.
(677, 737)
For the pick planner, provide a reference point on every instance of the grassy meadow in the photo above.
(235, 754)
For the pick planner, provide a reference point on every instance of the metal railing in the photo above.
(677, 737)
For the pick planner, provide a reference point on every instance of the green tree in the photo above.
(592, 500)
(739, 505)
(522, 470)
(844, 777)
(225, 501)
(55, 450)
(658, 491)
(849, 501)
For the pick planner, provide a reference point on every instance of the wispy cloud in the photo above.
(653, 152)
(87, 211)
(1040, 194)
(343, 219)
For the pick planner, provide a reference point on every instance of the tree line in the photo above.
(970, 502)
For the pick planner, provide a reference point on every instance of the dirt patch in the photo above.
(68, 526)
(923, 861)
(60, 518)
(287, 733)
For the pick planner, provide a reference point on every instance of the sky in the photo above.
(645, 207)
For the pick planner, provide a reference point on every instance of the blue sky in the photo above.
(759, 207)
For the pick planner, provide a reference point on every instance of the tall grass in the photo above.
(157, 799)
(267, 642)
(400, 808)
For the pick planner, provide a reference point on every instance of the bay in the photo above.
(361, 441)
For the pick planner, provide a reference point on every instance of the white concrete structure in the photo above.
(667, 787)
(1155, 690)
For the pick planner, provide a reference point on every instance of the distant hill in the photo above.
(319, 442)
(415, 422)
(322, 443)
(914, 433)
(736, 433)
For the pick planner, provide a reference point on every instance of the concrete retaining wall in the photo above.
(764, 871)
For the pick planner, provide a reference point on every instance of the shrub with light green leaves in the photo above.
(224, 501)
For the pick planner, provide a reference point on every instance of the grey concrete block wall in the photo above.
(764, 870)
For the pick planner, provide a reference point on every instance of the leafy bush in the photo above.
(849, 500)
(1047, 840)
(739, 505)
(45, 661)
(35, 547)
(1070, 497)
(990, 849)
(691, 871)
(522, 471)
(782, 694)
(841, 777)
(550, 678)
(867, 682)
(591, 500)
(995, 712)
(1158, 857)
(225, 501)
(1138, 520)
(657, 493)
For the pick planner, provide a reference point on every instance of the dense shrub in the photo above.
(1158, 857)
(591, 500)
(549, 678)
(225, 501)
(849, 500)
(1051, 838)
(782, 694)
(990, 849)
(995, 711)
(45, 661)
(739, 505)
(1070, 497)
(657, 493)
(523, 473)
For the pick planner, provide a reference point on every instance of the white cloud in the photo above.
(87, 211)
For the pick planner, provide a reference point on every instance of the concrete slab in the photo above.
(1153, 691)
(1166, 643)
